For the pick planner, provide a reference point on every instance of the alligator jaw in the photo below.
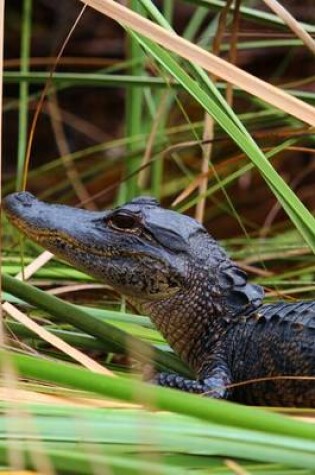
(58, 228)
(48, 224)
(131, 264)
(19, 208)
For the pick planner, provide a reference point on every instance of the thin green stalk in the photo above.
(253, 14)
(100, 80)
(168, 10)
(195, 23)
(85, 79)
(134, 111)
(23, 102)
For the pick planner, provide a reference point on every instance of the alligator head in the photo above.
(164, 262)
(139, 248)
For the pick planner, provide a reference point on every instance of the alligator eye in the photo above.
(123, 222)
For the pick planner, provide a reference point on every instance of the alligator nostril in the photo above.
(25, 198)
(14, 203)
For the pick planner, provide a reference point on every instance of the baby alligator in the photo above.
(171, 269)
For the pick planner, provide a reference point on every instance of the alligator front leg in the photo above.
(214, 383)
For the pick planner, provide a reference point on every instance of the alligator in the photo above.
(171, 269)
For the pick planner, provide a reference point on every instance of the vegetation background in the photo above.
(115, 124)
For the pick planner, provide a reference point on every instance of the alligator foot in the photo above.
(210, 387)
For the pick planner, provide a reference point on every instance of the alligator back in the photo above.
(277, 341)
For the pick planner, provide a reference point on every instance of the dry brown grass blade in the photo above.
(208, 135)
(65, 289)
(61, 397)
(20, 472)
(211, 63)
(208, 129)
(71, 170)
(277, 254)
(290, 293)
(33, 267)
(291, 22)
(54, 340)
(42, 98)
(145, 171)
(235, 467)
(190, 188)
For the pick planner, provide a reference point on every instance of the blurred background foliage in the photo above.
(114, 125)
(104, 141)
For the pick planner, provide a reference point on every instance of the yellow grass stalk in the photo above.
(35, 265)
(54, 340)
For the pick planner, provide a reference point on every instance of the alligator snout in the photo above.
(36, 219)
(18, 201)
(25, 211)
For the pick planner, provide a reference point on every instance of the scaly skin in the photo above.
(171, 269)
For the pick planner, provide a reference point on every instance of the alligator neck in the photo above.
(194, 313)
(218, 295)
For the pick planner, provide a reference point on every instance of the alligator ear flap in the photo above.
(169, 239)
(246, 300)
(242, 298)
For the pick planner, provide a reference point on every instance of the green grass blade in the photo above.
(298, 213)
(253, 14)
(205, 92)
(206, 409)
(23, 103)
(116, 432)
(92, 325)
(134, 113)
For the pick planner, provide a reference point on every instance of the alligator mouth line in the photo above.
(56, 237)
(41, 237)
